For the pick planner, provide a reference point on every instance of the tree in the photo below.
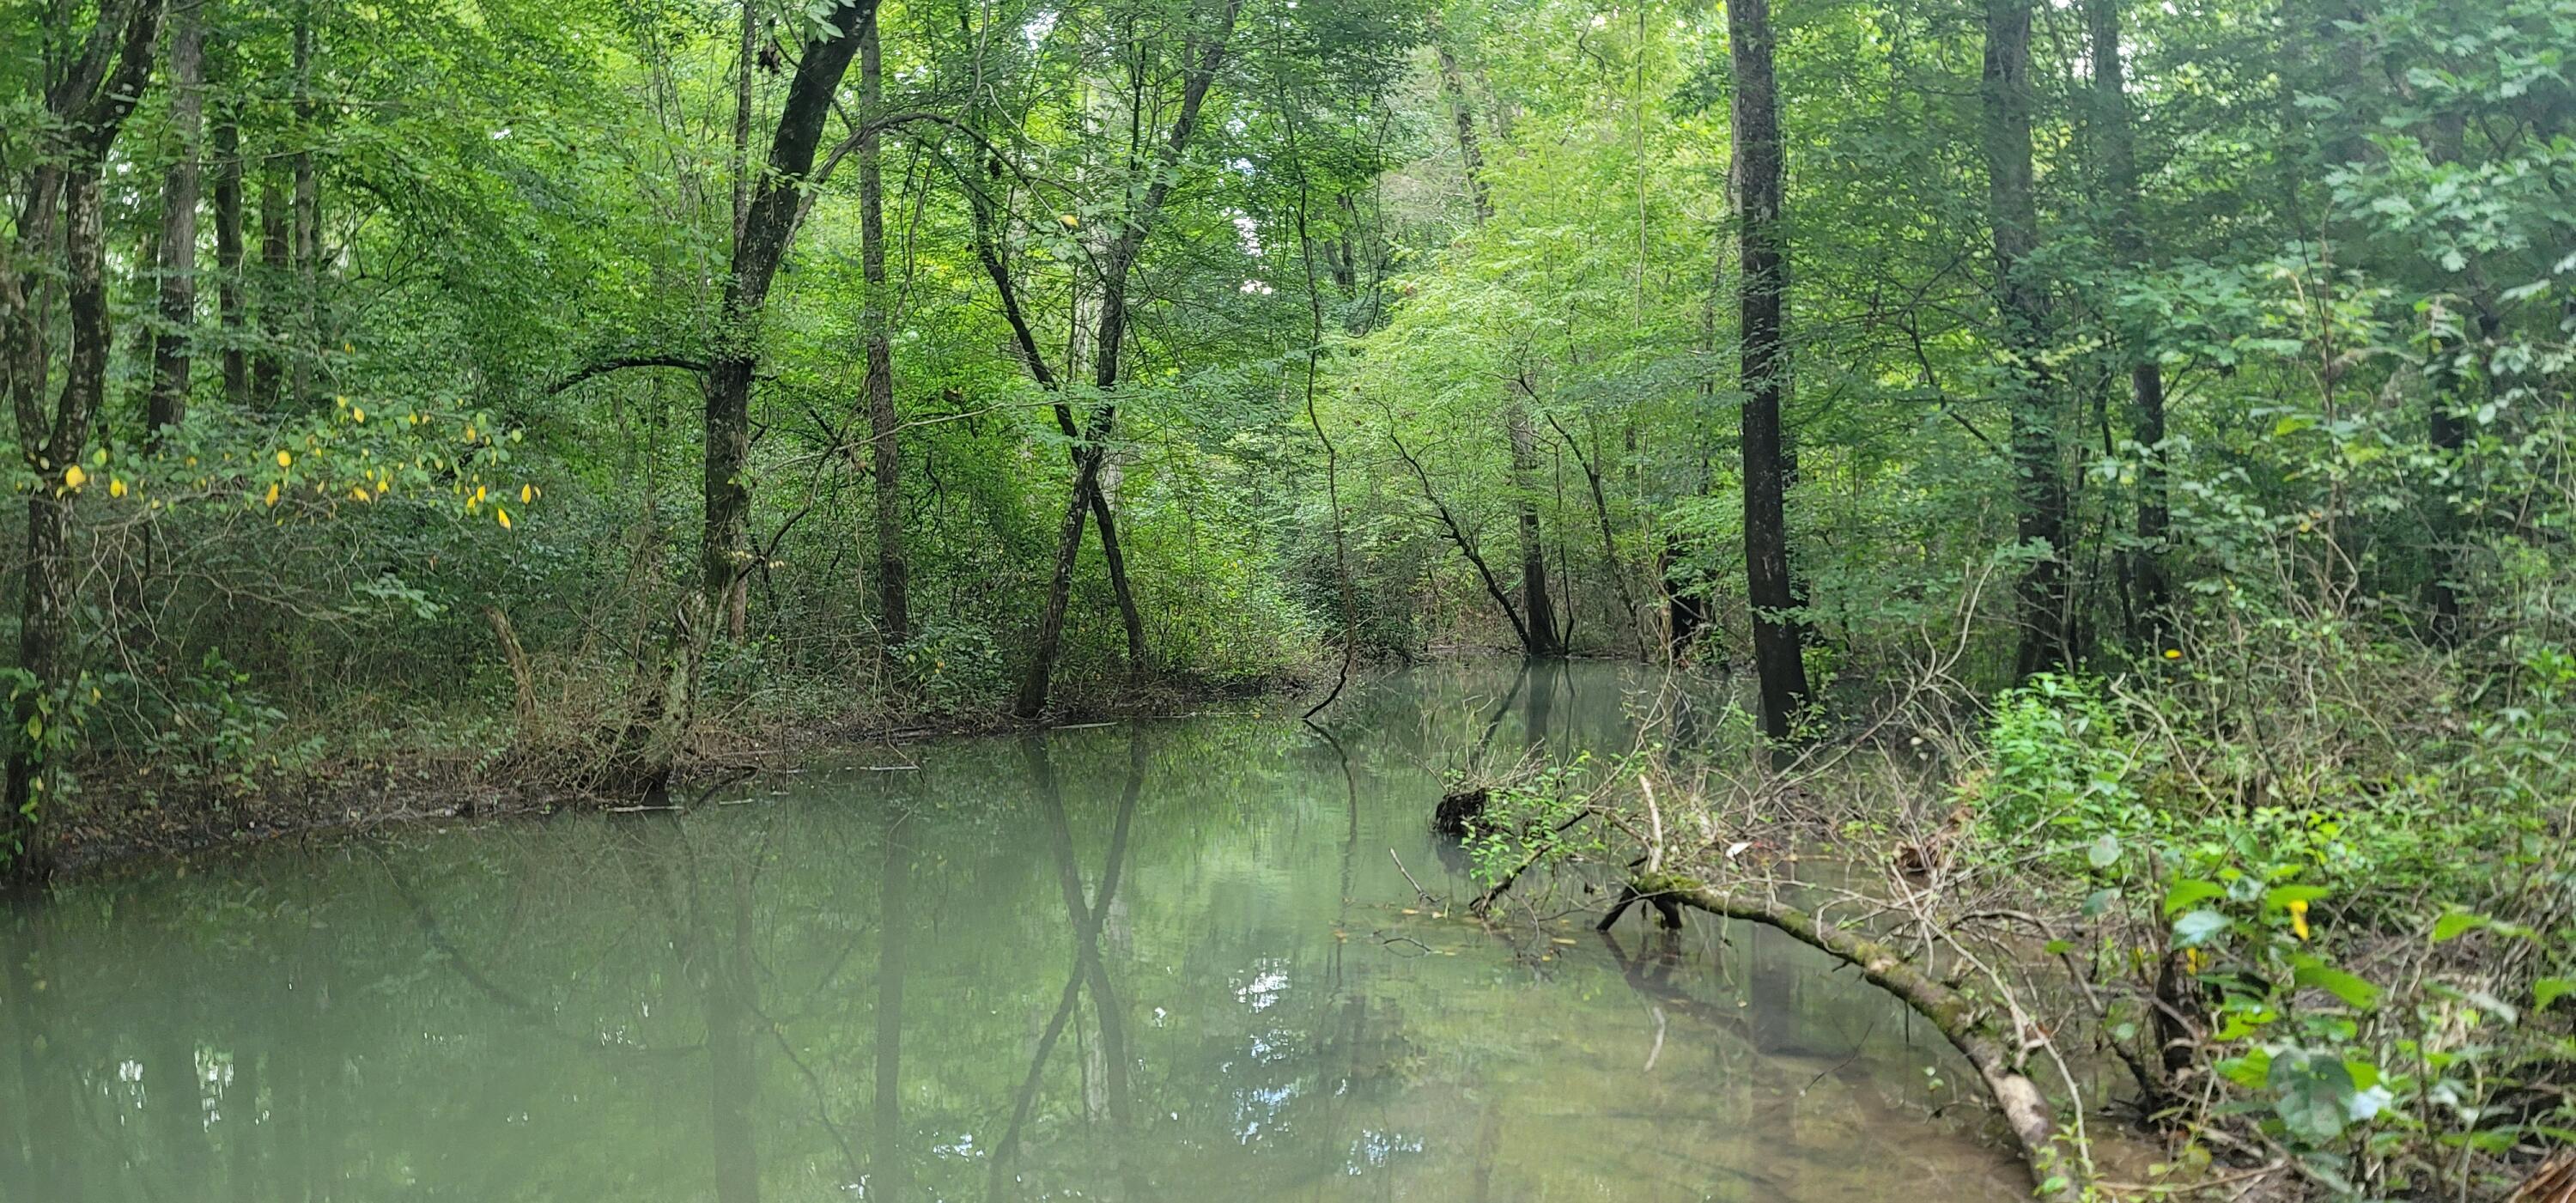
(89, 92)
(724, 560)
(178, 239)
(885, 452)
(1777, 656)
(1202, 53)
(1536, 619)
(2039, 489)
(2152, 594)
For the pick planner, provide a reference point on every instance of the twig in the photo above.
(1418, 891)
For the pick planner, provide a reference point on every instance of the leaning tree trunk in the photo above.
(1203, 57)
(723, 563)
(885, 463)
(2039, 485)
(1777, 657)
(171, 358)
(667, 685)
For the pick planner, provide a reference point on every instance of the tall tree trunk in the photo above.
(277, 266)
(736, 602)
(307, 219)
(90, 106)
(2039, 486)
(766, 225)
(1761, 293)
(1068, 545)
(988, 250)
(229, 253)
(171, 358)
(1462, 114)
(2118, 145)
(885, 451)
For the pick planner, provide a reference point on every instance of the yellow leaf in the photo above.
(115, 487)
(285, 459)
(73, 477)
(527, 493)
(359, 414)
(2299, 918)
(503, 515)
(469, 432)
(360, 494)
(272, 494)
(1070, 221)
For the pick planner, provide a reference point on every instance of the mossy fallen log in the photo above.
(1985, 1039)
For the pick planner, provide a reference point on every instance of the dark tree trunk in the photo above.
(767, 223)
(1541, 637)
(276, 256)
(1068, 544)
(2039, 485)
(229, 253)
(1761, 289)
(2118, 146)
(90, 104)
(885, 451)
(988, 249)
(171, 355)
(307, 221)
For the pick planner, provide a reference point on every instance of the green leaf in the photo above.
(2105, 852)
(2549, 990)
(2313, 1095)
(2311, 972)
(2200, 927)
(2454, 923)
(2187, 891)
(2281, 896)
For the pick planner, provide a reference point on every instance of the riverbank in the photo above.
(318, 778)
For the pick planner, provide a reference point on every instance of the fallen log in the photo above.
(1970, 1027)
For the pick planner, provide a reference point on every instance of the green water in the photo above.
(1164, 960)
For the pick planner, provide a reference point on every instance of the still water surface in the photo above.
(1164, 960)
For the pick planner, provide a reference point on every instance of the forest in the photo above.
(2099, 473)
